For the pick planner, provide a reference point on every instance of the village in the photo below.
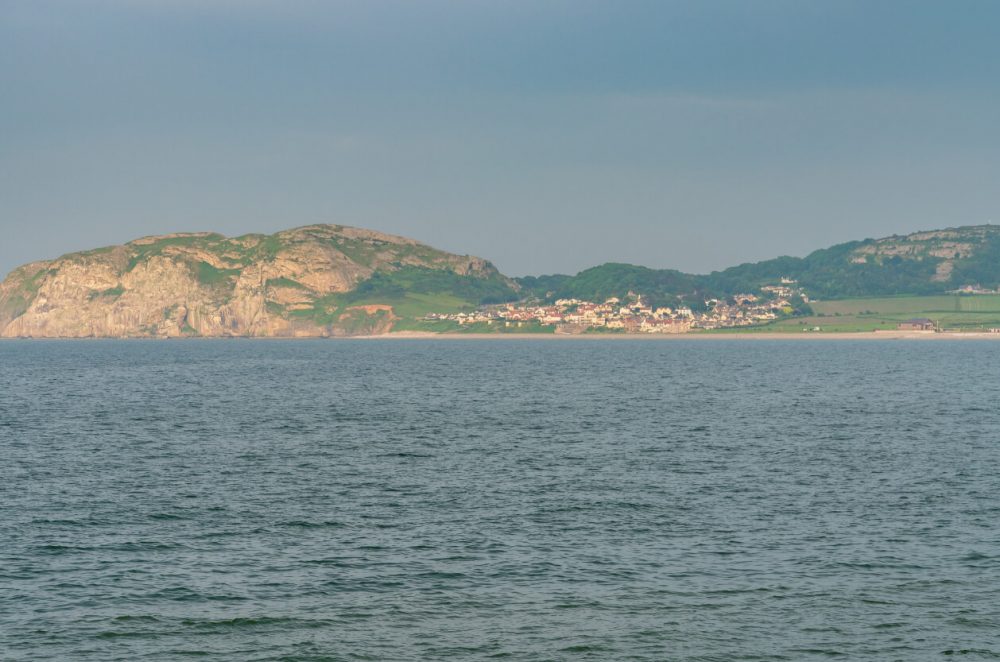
(636, 315)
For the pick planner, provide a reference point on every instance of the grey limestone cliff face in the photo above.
(200, 284)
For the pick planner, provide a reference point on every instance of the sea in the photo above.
(450, 499)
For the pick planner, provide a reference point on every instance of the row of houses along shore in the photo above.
(633, 315)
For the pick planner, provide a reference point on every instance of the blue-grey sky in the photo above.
(546, 135)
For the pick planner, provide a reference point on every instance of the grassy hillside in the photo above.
(923, 263)
(411, 292)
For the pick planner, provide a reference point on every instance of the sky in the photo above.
(545, 135)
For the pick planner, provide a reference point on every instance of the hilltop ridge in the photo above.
(920, 263)
(334, 280)
(316, 280)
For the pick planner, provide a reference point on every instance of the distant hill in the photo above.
(663, 286)
(318, 280)
(330, 280)
(930, 262)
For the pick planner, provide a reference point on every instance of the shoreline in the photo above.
(736, 335)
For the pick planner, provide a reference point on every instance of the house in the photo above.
(917, 324)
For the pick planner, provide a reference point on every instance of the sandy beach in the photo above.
(866, 335)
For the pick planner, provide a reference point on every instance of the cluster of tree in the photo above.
(981, 268)
(828, 274)
(660, 287)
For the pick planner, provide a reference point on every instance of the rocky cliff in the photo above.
(320, 280)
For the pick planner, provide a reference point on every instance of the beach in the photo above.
(805, 335)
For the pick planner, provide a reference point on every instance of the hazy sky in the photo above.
(545, 135)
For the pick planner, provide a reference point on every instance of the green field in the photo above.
(415, 305)
(965, 313)
(914, 306)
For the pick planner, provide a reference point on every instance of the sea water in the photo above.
(508, 499)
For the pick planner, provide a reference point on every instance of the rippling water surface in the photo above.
(520, 500)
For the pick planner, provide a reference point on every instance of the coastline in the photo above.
(429, 335)
(857, 335)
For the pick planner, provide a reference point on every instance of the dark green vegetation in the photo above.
(211, 275)
(113, 292)
(285, 282)
(407, 281)
(919, 264)
(660, 286)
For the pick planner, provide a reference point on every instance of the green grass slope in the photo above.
(923, 263)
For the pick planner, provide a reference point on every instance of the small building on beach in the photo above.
(917, 324)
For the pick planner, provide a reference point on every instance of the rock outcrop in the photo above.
(298, 283)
